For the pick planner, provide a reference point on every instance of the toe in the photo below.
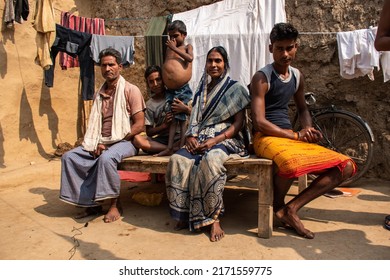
(309, 235)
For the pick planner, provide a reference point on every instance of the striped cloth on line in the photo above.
(82, 24)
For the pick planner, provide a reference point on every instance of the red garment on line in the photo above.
(82, 24)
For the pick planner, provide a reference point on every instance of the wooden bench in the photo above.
(259, 170)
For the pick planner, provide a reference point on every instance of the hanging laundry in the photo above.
(9, 13)
(241, 27)
(75, 44)
(357, 54)
(82, 24)
(123, 44)
(155, 43)
(22, 10)
(385, 64)
(44, 24)
(15, 10)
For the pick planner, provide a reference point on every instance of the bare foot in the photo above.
(181, 225)
(291, 219)
(216, 232)
(113, 214)
(166, 152)
(90, 211)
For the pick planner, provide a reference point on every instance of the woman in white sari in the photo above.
(196, 176)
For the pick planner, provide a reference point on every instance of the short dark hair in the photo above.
(111, 52)
(221, 50)
(179, 26)
(283, 31)
(151, 69)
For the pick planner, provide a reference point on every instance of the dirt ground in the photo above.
(37, 225)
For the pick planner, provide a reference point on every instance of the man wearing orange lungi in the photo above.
(294, 153)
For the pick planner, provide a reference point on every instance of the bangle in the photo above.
(226, 137)
(299, 135)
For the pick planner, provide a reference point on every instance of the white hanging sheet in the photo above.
(242, 27)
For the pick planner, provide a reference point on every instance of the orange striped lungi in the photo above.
(295, 158)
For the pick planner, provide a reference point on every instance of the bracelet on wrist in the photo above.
(299, 135)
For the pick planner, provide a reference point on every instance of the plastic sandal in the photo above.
(387, 222)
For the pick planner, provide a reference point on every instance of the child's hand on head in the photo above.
(171, 43)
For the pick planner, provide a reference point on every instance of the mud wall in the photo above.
(34, 119)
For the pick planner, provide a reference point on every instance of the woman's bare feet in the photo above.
(291, 219)
(114, 213)
(216, 232)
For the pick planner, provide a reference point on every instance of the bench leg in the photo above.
(266, 192)
(154, 178)
(302, 183)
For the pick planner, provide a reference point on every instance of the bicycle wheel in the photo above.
(348, 134)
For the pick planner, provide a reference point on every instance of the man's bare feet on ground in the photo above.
(113, 214)
(90, 211)
(216, 232)
(291, 219)
(166, 152)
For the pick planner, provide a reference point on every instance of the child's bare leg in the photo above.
(169, 150)
(154, 147)
(148, 145)
(139, 141)
(183, 127)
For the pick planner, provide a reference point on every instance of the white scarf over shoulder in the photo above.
(120, 120)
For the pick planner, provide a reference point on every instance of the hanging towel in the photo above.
(44, 24)
(123, 44)
(82, 24)
(120, 120)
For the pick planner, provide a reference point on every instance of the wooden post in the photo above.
(302, 183)
(266, 194)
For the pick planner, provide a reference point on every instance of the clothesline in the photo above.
(144, 36)
(325, 32)
(124, 19)
(300, 33)
(145, 18)
(319, 33)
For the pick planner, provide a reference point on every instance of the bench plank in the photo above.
(258, 169)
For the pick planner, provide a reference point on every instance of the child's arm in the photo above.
(152, 131)
(179, 107)
(186, 53)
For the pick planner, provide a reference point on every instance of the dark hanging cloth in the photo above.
(22, 10)
(76, 44)
(82, 24)
(155, 42)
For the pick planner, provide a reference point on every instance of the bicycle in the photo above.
(343, 132)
